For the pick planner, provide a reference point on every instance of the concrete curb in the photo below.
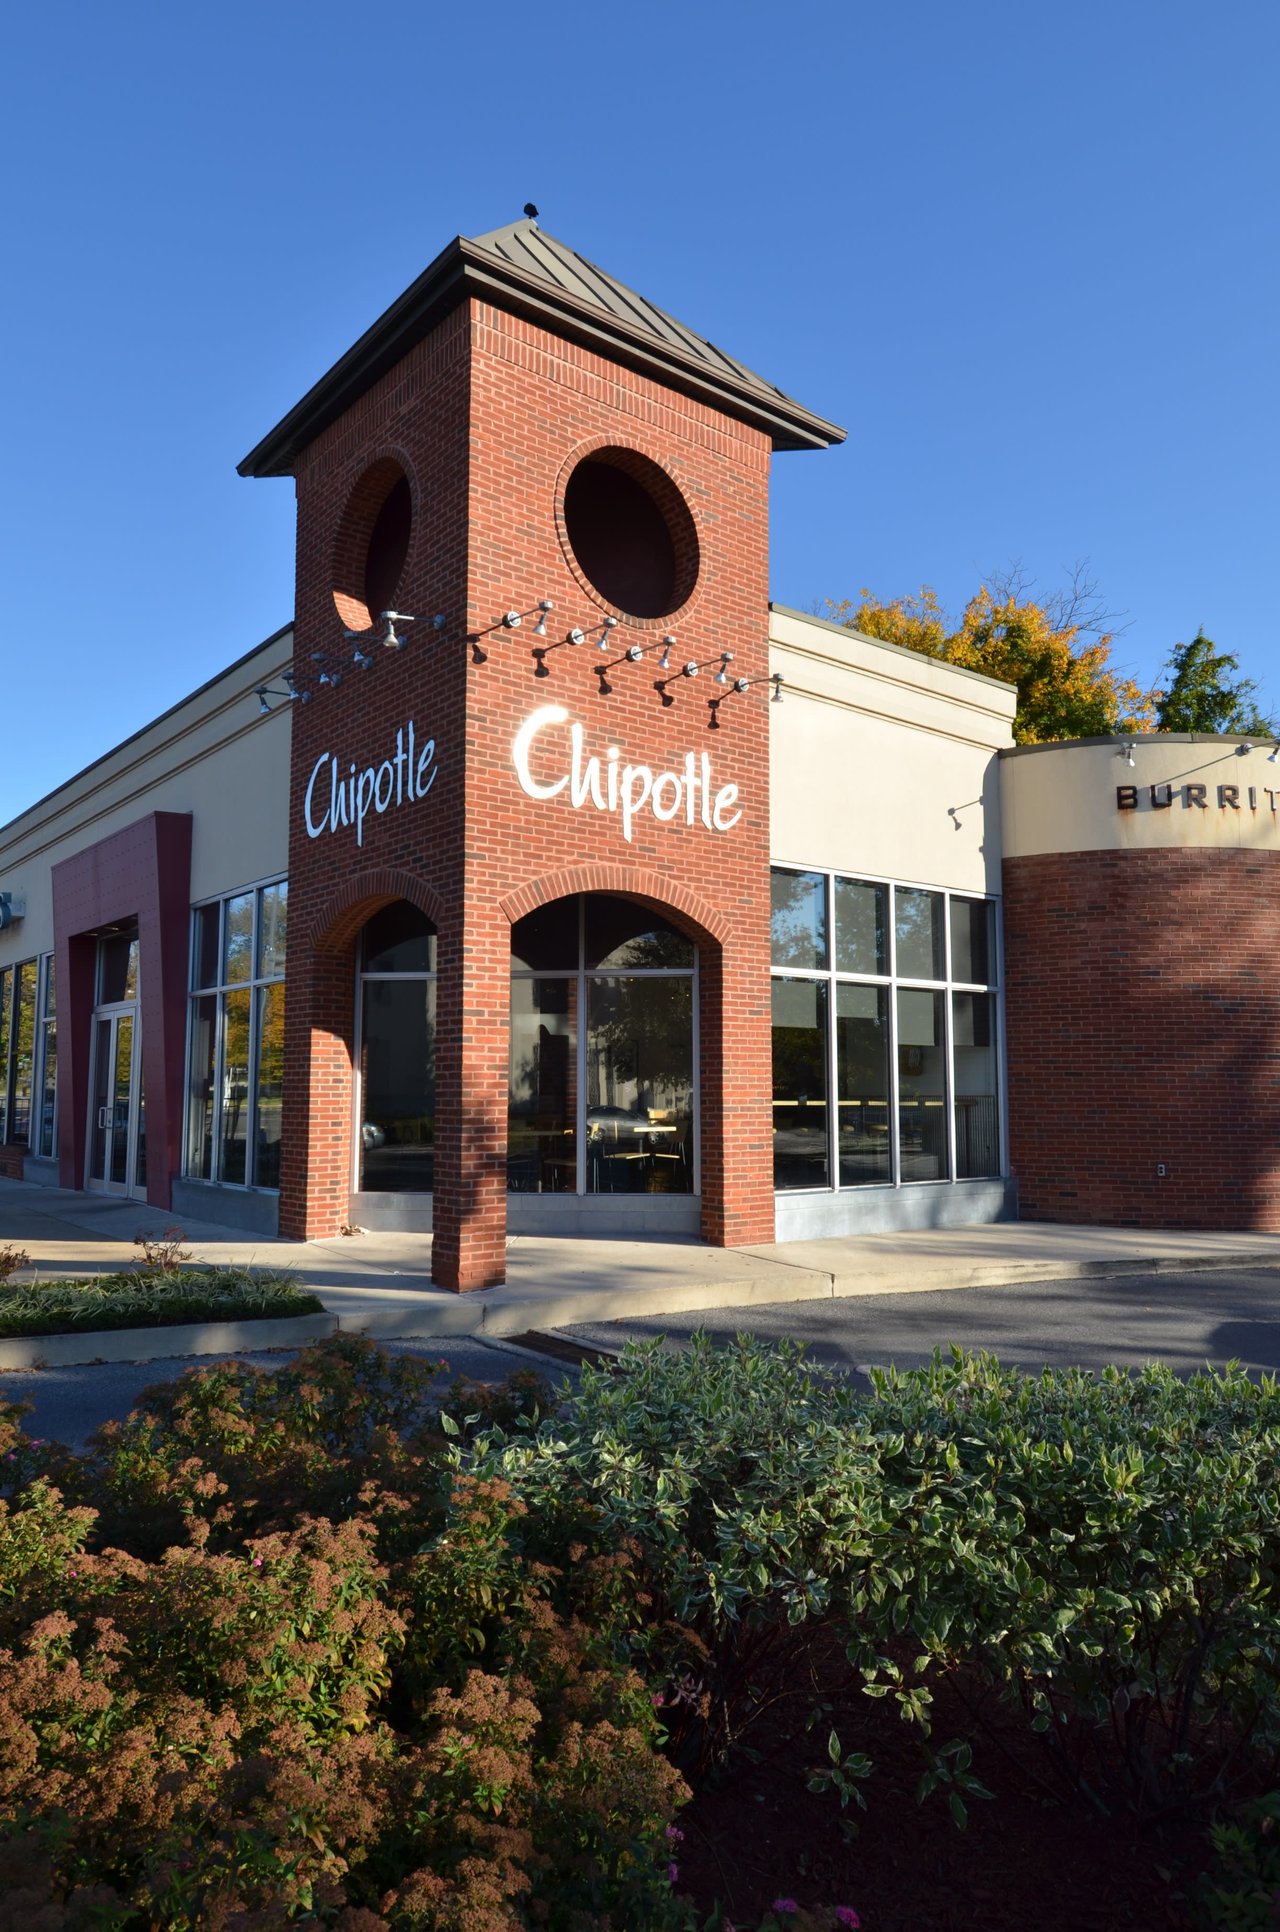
(157, 1344)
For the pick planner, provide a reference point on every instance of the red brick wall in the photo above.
(1143, 1013)
(486, 418)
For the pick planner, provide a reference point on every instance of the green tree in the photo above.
(1202, 695)
(1055, 649)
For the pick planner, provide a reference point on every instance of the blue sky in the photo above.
(1026, 254)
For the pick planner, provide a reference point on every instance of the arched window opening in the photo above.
(603, 1051)
(397, 1053)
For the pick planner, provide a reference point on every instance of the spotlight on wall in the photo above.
(668, 645)
(722, 675)
(391, 618)
(333, 678)
(1126, 751)
(292, 694)
(607, 624)
(1273, 755)
(540, 628)
(776, 681)
(360, 658)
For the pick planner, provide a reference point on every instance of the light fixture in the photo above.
(634, 653)
(391, 618)
(690, 670)
(540, 628)
(333, 678)
(668, 645)
(439, 621)
(608, 624)
(1126, 751)
(575, 636)
(264, 691)
(358, 657)
(1273, 755)
(1243, 749)
(512, 620)
(722, 676)
(775, 680)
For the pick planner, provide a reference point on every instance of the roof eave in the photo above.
(462, 269)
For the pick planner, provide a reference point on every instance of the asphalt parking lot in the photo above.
(1206, 1316)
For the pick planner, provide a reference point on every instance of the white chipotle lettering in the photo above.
(408, 774)
(610, 786)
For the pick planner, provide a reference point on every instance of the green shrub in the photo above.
(151, 1298)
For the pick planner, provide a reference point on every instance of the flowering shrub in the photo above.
(316, 1646)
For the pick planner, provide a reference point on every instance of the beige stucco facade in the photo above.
(1181, 790)
(883, 762)
(213, 755)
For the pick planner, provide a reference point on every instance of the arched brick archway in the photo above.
(320, 1009)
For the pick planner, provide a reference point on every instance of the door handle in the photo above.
(104, 1119)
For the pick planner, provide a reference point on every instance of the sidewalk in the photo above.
(380, 1284)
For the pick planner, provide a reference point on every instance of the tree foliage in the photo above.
(1055, 649)
(1202, 695)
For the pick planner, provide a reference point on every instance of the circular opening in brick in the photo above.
(373, 542)
(631, 532)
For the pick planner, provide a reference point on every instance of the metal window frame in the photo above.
(832, 977)
(218, 991)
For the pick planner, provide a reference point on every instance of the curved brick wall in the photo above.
(1143, 1013)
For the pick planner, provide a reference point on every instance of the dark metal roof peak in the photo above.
(523, 268)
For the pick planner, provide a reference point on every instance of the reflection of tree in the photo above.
(918, 917)
(641, 1034)
(799, 920)
(23, 1049)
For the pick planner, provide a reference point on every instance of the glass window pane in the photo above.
(120, 1101)
(799, 919)
(800, 1084)
(398, 1086)
(270, 1086)
(204, 1039)
(24, 1042)
(977, 1104)
(273, 920)
(918, 930)
(862, 927)
(50, 988)
(922, 1118)
(621, 933)
(6, 1017)
(640, 1086)
(862, 1076)
(117, 967)
(238, 963)
(49, 1090)
(235, 1086)
(204, 947)
(546, 941)
(973, 941)
(400, 939)
(542, 1108)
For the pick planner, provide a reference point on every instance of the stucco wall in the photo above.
(1182, 791)
(883, 762)
(214, 756)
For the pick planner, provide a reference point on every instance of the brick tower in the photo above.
(519, 430)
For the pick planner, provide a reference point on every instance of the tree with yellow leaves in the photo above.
(1056, 650)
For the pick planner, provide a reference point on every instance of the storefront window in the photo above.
(903, 1029)
(397, 1116)
(28, 1054)
(47, 1142)
(602, 1051)
(236, 1051)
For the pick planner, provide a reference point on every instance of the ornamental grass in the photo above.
(151, 1298)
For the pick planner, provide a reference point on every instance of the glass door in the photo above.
(117, 1137)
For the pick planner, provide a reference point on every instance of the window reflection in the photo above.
(862, 1073)
(542, 1117)
(639, 1085)
(799, 1083)
(918, 932)
(398, 1086)
(799, 919)
(922, 1117)
(977, 1106)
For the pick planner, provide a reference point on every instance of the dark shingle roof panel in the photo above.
(523, 268)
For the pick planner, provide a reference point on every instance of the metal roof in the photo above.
(523, 268)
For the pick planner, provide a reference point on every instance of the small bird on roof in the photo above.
(530, 211)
